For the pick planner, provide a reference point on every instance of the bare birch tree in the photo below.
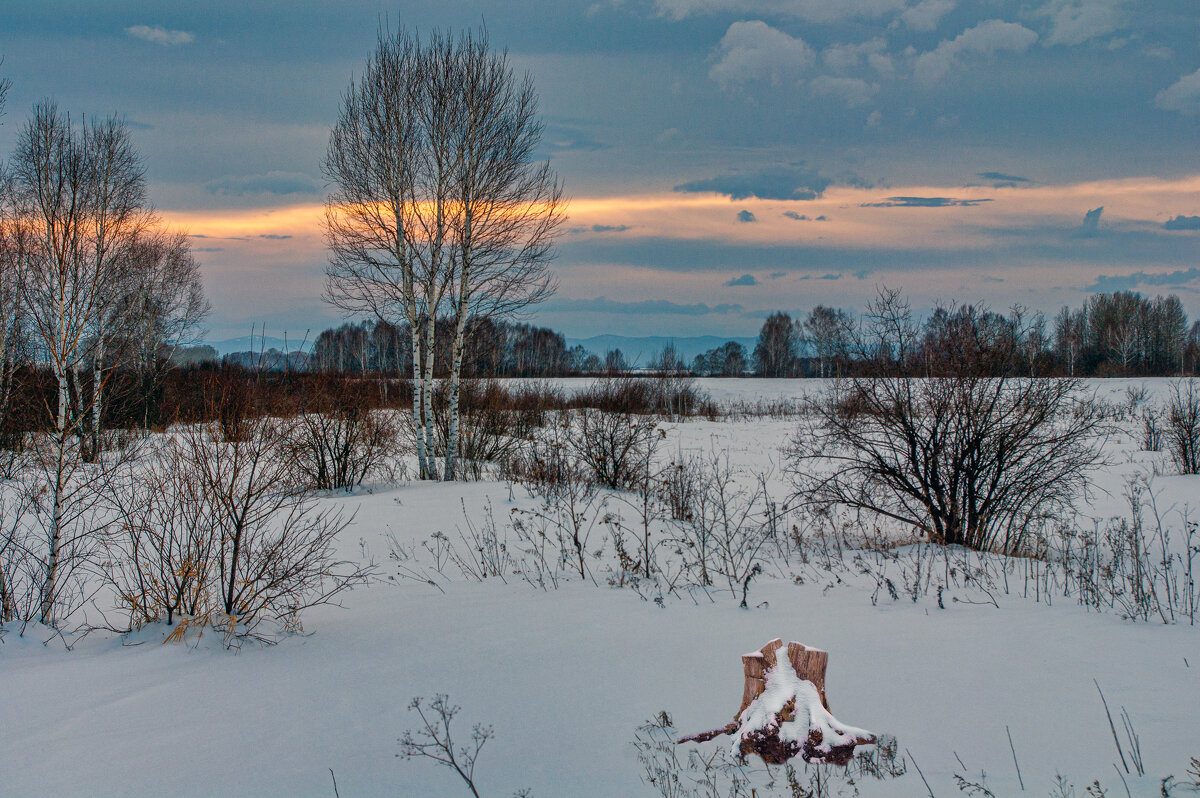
(372, 218)
(78, 191)
(118, 212)
(509, 207)
(437, 206)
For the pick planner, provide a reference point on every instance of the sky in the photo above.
(723, 158)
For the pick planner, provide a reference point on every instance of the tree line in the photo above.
(1110, 335)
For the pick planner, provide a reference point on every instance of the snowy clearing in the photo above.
(566, 675)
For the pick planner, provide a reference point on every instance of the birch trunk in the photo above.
(97, 397)
(455, 381)
(54, 543)
(418, 399)
(427, 395)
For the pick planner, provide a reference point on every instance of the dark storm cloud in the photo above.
(745, 279)
(602, 228)
(783, 183)
(568, 138)
(1130, 282)
(924, 202)
(239, 116)
(1091, 223)
(281, 183)
(1003, 178)
(1183, 223)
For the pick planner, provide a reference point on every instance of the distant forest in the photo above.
(1118, 334)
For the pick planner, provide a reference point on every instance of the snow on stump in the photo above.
(784, 713)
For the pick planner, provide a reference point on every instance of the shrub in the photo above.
(222, 533)
(615, 446)
(978, 461)
(1183, 426)
(339, 442)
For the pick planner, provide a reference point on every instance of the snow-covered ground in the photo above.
(565, 676)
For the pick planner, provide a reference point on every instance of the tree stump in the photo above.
(784, 712)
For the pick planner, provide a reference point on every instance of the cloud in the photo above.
(1091, 223)
(753, 50)
(746, 216)
(273, 236)
(156, 34)
(1002, 180)
(1183, 223)
(568, 138)
(824, 11)
(924, 202)
(777, 275)
(1109, 283)
(745, 279)
(986, 38)
(800, 217)
(844, 57)
(852, 91)
(270, 183)
(1183, 95)
(780, 183)
(1077, 21)
(648, 306)
(830, 277)
(610, 228)
(925, 15)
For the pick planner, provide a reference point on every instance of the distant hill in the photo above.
(640, 350)
(257, 343)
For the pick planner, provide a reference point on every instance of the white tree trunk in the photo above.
(418, 394)
(427, 392)
(455, 380)
(97, 397)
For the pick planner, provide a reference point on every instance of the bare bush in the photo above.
(160, 561)
(615, 446)
(275, 550)
(490, 425)
(726, 526)
(20, 574)
(545, 465)
(1183, 426)
(341, 442)
(983, 462)
(223, 534)
(1152, 431)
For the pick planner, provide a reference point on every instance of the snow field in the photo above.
(565, 676)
